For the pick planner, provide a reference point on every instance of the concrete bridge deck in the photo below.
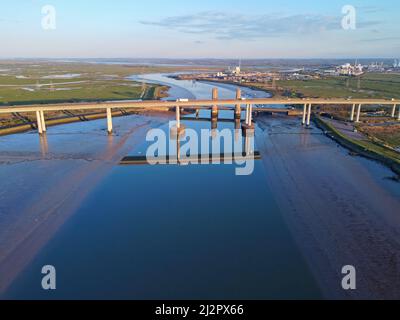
(214, 104)
(192, 104)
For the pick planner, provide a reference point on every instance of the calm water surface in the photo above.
(174, 232)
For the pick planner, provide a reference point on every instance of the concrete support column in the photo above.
(353, 109)
(178, 117)
(247, 147)
(238, 108)
(250, 114)
(43, 122)
(214, 112)
(358, 113)
(178, 150)
(398, 118)
(247, 114)
(214, 126)
(237, 129)
(39, 122)
(309, 115)
(394, 111)
(109, 121)
(304, 115)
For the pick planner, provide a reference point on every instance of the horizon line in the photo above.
(188, 58)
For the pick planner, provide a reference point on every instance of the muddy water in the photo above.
(342, 210)
(182, 232)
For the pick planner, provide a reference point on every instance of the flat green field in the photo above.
(43, 82)
(370, 85)
(39, 82)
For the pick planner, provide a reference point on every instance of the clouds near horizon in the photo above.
(230, 26)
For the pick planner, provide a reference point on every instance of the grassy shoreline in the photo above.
(77, 118)
(369, 85)
(366, 149)
(153, 92)
(150, 92)
(54, 122)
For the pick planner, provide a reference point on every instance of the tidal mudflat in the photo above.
(342, 209)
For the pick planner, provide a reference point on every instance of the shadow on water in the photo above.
(174, 232)
(202, 231)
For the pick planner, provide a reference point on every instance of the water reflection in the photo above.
(190, 145)
(176, 232)
(44, 146)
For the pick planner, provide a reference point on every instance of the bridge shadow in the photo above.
(238, 146)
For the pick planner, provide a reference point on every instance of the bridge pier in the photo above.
(309, 115)
(394, 111)
(178, 117)
(238, 107)
(214, 124)
(109, 121)
(39, 121)
(248, 145)
(249, 115)
(304, 114)
(43, 122)
(214, 111)
(398, 118)
(248, 126)
(178, 129)
(353, 109)
(237, 129)
(358, 113)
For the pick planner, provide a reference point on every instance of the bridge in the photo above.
(214, 104)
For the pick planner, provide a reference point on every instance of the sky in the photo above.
(199, 29)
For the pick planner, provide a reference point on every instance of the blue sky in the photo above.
(200, 29)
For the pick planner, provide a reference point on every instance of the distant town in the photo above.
(238, 74)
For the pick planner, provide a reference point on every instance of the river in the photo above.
(198, 231)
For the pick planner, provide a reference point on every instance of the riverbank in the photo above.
(342, 210)
(366, 149)
(23, 122)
